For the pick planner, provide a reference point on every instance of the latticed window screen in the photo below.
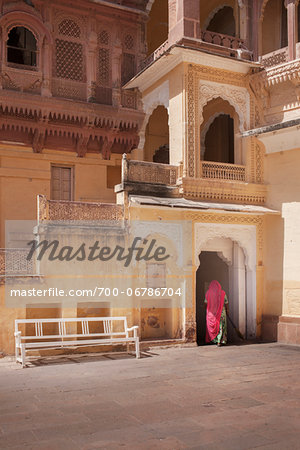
(69, 60)
(68, 27)
(128, 67)
(103, 37)
(104, 67)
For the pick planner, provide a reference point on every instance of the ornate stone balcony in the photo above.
(225, 44)
(217, 43)
(222, 182)
(59, 210)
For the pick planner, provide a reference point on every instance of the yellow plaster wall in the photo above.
(24, 175)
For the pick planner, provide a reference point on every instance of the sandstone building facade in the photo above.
(202, 100)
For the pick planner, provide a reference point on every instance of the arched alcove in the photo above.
(274, 26)
(157, 26)
(219, 133)
(157, 135)
(223, 21)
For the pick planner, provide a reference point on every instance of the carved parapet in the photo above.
(83, 211)
(222, 171)
(223, 191)
(147, 172)
(275, 58)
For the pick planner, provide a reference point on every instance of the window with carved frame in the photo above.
(21, 48)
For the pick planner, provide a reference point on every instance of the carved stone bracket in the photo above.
(38, 141)
(81, 145)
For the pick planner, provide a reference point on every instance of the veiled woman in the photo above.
(217, 305)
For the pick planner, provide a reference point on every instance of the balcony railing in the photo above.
(13, 262)
(62, 210)
(223, 171)
(155, 55)
(275, 58)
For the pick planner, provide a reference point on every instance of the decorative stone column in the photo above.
(116, 72)
(292, 28)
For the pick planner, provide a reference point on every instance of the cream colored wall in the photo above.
(282, 286)
(177, 114)
(291, 267)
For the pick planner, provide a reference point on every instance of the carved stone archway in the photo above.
(243, 238)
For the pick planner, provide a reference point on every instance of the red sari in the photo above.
(215, 301)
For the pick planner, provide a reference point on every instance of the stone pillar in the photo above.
(292, 28)
(251, 303)
(91, 74)
(255, 29)
(239, 290)
(47, 63)
(116, 72)
(184, 20)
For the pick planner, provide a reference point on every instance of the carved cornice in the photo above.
(42, 122)
(220, 75)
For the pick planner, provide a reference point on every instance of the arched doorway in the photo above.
(212, 267)
(219, 140)
(220, 133)
(156, 147)
(274, 27)
(224, 260)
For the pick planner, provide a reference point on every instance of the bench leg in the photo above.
(127, 346)
(23, 355)
(137, 348)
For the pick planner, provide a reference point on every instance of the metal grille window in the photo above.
(21, 47)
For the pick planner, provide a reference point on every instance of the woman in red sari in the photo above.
(216, 323)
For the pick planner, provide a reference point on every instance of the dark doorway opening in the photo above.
(219, 140)
(212, 267)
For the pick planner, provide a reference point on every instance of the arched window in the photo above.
(223, 22)
(21, 47)
(219, 140)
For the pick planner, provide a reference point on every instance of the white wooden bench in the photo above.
(107, 330)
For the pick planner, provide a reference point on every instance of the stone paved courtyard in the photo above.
(236, 397)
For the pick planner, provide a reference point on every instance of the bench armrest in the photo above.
(134, 329)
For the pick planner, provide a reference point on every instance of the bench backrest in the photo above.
(111, 326)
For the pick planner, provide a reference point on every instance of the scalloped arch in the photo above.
(226, 97)
(24, 19)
